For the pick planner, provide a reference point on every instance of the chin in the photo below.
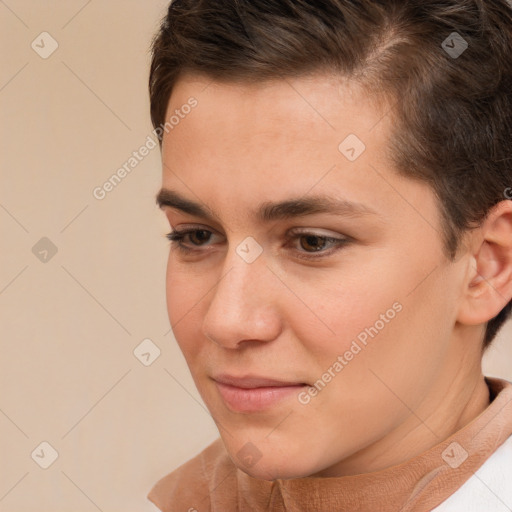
(267, 460)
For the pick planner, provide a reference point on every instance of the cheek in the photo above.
(409, 353)
(379, 315)
(173, 290)
(350, 303)
(184, 288)
(184, 297)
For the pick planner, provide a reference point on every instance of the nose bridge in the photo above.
(241, 307)
(241, 284)
(245, 269)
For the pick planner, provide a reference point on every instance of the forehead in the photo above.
(244, 144)
(325, 105)
(294, 125)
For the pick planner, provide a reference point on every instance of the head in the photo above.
(345, 167)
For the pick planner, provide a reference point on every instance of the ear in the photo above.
(488, 287)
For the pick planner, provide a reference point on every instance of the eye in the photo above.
(315, 242)
(312, 244)
(197, 238)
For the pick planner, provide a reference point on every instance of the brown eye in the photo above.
(201, 236)
(308, 245)
(312, 243)
(190, 240)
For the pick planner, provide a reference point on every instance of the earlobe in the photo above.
(489, 283)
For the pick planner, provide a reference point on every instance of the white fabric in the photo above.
(489, 489)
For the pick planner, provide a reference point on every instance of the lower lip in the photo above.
(256, 399)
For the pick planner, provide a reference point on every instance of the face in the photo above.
(310, 296)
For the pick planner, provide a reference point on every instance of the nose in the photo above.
(243, 305)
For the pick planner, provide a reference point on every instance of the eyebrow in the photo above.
(271, 211)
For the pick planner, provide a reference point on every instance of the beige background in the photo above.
(70, 324)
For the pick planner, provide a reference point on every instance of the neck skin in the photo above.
(457, 397)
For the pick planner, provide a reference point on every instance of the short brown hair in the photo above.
(453, 109)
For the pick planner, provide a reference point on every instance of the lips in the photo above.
(253, 382)
(254, 393)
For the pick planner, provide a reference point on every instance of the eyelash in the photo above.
(176, 238)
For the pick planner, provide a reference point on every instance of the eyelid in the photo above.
(320, 232)
(190, 228)
(177, 234)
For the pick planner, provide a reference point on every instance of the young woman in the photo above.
(337, 177)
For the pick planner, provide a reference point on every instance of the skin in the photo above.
(419, 379)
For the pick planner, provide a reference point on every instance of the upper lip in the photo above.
(253, 381)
